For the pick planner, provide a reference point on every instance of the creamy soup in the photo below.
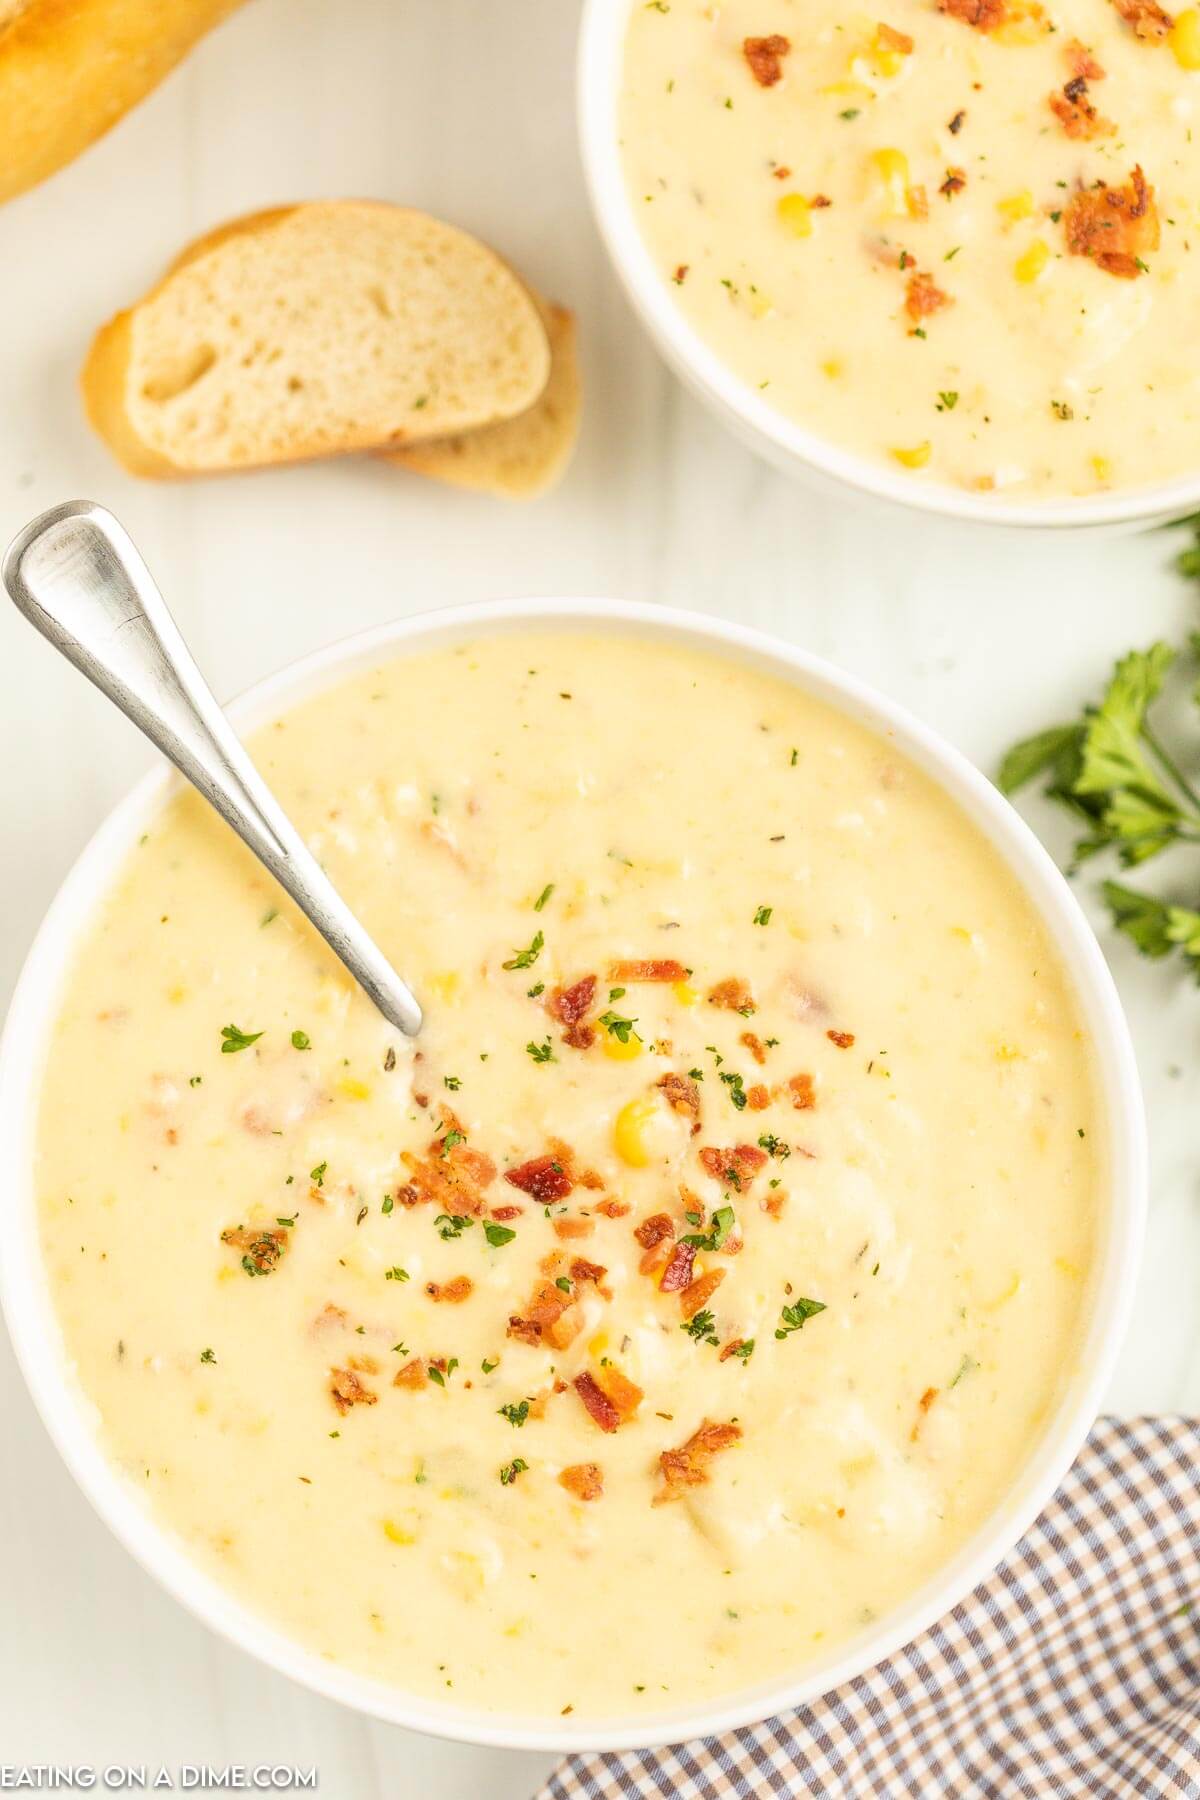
(696, 1283)
(958, 236)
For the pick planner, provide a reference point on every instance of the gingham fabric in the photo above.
(1073, 1672)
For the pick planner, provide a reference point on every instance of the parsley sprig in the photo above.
(1128, 792)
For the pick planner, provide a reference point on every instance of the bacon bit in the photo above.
(918, 202)
(737, 1167)
(525, 1330)
(803, 1092)
(582, 1270)
(687, 1467)
(654, 1230)
(730, 1349)
(683, 1096)
(758, 1098)
(985, 15)
(888, 38)
(1076, 114)
(264, 1249)
(819, 202)
(597, 1402)
(765, 57)
(502, 1214)
(613, 1209)
(843, 1039)
(625, 1395)
(451, 1176)
(699, 1292)
(454, 1292)
(1083, 64)
(955, 182)
(1147, 17)
(412, 1375)
(733, 995)
(551, 1315)
(346, 1390)
(923, 1405)
(923, 296)
(366, 1365)
(782, 172)
(329, 1318)
(681, 274)
(664, 970)
(774, 1204)
(569, 1005)
(545, 1178)
(573, 1228)
(589, 1179)
(755, 1046)
(1113, 226)
(678, 1272)
(584, 1480)
(957, 122)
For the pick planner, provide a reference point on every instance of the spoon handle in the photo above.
(76, 575)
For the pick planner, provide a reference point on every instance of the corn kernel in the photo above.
(622, 1052)
(916, 458)
(1016, 206)
(794, 212)
(598, 1344)
(834, 368)
(890, 171)
(888, 54)
(685, 993)
(1028, 267)
(353, 1088)
(445, 984)
(631, 1131)
(396, 1533)
(1184, 39)
(1005, 1294)
(1102, 468)
(177, 995)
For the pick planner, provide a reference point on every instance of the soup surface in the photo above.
(695, 1285)
(959, 236)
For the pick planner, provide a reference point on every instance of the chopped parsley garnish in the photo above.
(967, 1366)
(498, 1234)
(723, 1222)
(510, 1471)
(743, 1351)
(209, 1356)
(301, 1040)
(234, 1040)
(453, 1082)
(543, 1052)
(388, 1204)
(395, 1273)
(737, 1092)
(516, 1412)
(763, 915)
(543, 896)
(539, 987)
(487, 1366)
(617, 1026)
(793, 1317)
(317, 1175)
(436, 1374)
(452, 1225)
(290, 1221)
(563, 1282)
(774, 1146)
(700, 1328)
(525, 959)
(947, 400)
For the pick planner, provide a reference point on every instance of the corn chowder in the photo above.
(957, 237)
(692, 1287)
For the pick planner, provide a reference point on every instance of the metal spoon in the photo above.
(77, 577)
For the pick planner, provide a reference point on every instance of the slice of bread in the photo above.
(522, 457)
(314, 330)
(69, 69)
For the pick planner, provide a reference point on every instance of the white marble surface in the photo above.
(463, 106)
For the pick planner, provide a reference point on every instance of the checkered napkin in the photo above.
(1073, 1672)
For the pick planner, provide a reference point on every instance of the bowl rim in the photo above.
(69, 1418)
(598, 81)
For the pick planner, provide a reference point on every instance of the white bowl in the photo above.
(70, 1419)
(791, 446)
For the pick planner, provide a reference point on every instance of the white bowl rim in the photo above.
(601, 43)
(32, 1325)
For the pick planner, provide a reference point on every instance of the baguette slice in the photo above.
(69, 69)
(522, 457)
(310, 331)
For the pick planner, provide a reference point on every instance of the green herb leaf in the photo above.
(525, 959)
(235, 1040)
(516, 1412)
(795, 1316)
(617, 1026)
(498, 1234)
(301, 1041)
(452, 1225)
(510, 1471)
